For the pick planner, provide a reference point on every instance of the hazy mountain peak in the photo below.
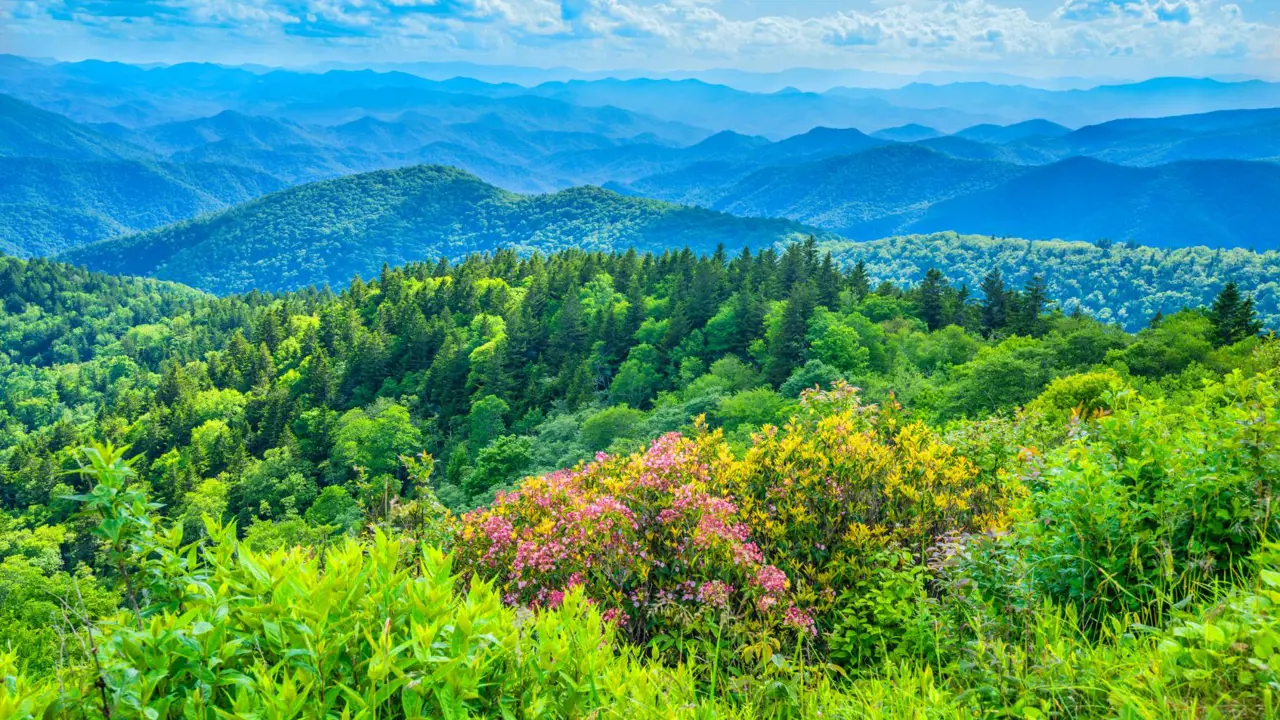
(911, 132)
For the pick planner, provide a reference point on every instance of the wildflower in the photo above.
(715, 593)
(800, 620)
(772, 580)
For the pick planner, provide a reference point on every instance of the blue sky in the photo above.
(1112, 38)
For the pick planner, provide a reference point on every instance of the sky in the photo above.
(1132, 39)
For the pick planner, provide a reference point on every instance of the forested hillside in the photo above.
(325, 232)
(1116, 282)
(63, 184)
(52, 205)
(27, 131)
(264, 422)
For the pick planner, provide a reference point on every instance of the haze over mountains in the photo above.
(97, 150)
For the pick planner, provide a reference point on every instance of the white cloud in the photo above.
(672, 32)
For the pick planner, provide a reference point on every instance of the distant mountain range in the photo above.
(911, 188)
(95, 91)
(96, 150)
(324, 232)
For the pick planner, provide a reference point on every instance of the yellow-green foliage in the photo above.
(843, 481)
(373, 629)
(1084, 394)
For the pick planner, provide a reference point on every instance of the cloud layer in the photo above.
(1085, 34)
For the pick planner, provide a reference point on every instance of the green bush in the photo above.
(1152, 502)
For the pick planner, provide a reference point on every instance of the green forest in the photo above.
(799, 482)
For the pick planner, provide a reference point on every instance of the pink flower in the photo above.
(800, 620)
(614, 616)
(715, 593)
(772, 580)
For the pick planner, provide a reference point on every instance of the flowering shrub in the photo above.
(842, 481)
(667, 538)
(642, 535)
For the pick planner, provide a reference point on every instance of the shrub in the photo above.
(601, 429)
(641, 535)
(358, 629)
(1082, 395)
(1147, 504)
(842, 482)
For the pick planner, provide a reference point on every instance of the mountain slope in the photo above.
(51, 205)
(904, 188)
(227, 126)
(1218, 203)
(862, 196)
(1009, 133)
(910, 132)
(326, 231)
(1144, 142)
(28, 131)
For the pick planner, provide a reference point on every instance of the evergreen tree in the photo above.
(828, 283)
(1233, 316)
(320, 379)
(748, 316)
(960, 310)
(788, 346)
(860, 281)
(1030, 308)
(568, 340)
(931, 299)
(995, 303)
(635, 315)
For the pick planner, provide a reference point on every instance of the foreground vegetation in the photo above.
(340, 506)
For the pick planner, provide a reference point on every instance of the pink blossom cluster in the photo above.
(800, 620)
(638, 533)
(772, 580)
(715, 593)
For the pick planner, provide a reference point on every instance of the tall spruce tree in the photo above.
(787, 349)
(1233, 316)
(1030, 306)
(995, 303)
(932, 289)
(860, 281)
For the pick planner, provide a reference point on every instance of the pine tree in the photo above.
(828, 282)
(748, 315)
(793, 268)
(320, 379)
(568, 340)
(995, 303)
(679, 322)
(860, 281)
(931, 305)
(1031, 304)
(1233, 316)
(787, 349)
(635, 315)
(960, 316)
